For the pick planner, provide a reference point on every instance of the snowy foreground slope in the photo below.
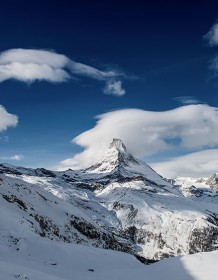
(41, 258)
(119, 203)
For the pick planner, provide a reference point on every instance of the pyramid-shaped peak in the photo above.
(119, 163)
(117, 143)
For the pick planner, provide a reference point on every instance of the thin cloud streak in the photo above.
(170, 68)
(187, 100)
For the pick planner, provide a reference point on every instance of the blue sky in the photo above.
(153, 51)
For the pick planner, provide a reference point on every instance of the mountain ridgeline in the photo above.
(119, 203)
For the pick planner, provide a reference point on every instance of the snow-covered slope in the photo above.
(201, 266)
(202, 185)
(193, 187)
(49, 207)
(41, 258)
(120, 203)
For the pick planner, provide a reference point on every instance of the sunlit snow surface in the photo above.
(43, 259)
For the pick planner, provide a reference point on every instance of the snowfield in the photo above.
(42, 259)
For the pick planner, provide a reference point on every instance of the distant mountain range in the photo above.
(119, 203)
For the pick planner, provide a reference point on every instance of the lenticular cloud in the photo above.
(198, 164)
(189, 127)
(29, 65)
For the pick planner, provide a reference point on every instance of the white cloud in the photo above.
(7, 119)
(30, 72)
(212, 35)
(114, 87)
(14, 157)
(198, 164)
(212, 38)
(29, 65)
(148, 133)
(17, 157)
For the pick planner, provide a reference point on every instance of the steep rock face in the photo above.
(119, 203)
(213, 182)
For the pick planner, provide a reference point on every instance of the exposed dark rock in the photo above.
(203, 240)
(7, 170)
(14, 199)
(44, 172)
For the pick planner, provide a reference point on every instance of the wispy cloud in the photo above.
(4, 138)
(114, 87)
(199, 164)
(187, 100)
(212, 38)
(188, 127)
(7, 119)
(212, 35)
(29, 65)
(14, 157)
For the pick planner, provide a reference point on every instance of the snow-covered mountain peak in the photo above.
(118, 144)
(115, 157)
(118, 162)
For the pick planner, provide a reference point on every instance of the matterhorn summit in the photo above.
(117, 143)
(118, 162)
(115, 157)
